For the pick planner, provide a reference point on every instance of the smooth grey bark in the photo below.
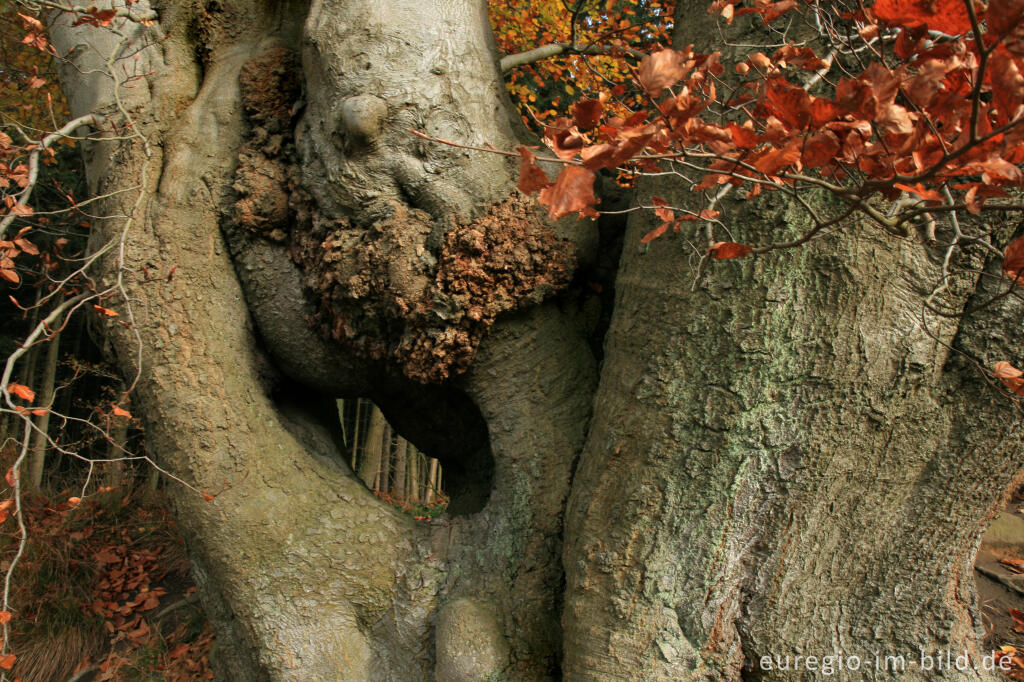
(791, 413)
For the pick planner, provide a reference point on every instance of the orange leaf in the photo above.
(1013, 260)
(1010, 375)
(586, 113)
(531, 177)
(724, 250)
(74, 501)
(573, 191)
(661, 210)
(106, 311)
(118, 412)
(5, 617)
(820, 149)
(945, 16)
(919, 190)
(208, 497)
(7, 661)
(1015, 565)
(27, 246)
(663, 70)
(654, 234)
(23, 392)
(11, 477)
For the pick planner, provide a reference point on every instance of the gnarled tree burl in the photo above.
(789, 460)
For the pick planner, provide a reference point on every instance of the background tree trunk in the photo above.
(44, 399)
(401, 457)
(369, 466)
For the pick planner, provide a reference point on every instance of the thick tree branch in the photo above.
(511, 61)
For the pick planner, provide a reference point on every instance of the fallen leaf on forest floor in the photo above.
(1012, 564)
(1018, 620)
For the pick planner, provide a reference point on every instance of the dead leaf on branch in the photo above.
(726, 250)
(573, 191)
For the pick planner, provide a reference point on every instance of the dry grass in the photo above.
(53, 657)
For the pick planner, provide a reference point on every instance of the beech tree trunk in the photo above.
(792, 459)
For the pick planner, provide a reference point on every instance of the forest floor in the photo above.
(999, 572)
(102, 591)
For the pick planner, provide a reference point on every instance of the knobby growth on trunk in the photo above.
(788, 454)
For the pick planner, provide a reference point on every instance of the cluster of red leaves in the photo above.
(124, 592)
(891, 129)
(9, 250)
(182, 661)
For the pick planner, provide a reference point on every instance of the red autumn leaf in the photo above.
(654, 234)
(74, 501)
(1013, 260)
(118, 412)
(598, 156)
(790, 103)
(531, 177)
(819, 149)
(564, 138)
(22, 210)
(777, 159)
(208, 497)
(660, 210)
(39, 413)
(1012, 377)
(663, 69)
(10, 275)
(743, 137)
(177, 651)
(5, 509)
(11, 477)
(945, 16)
(22, 391)
(919, 190)
(7, 661)
(1005, 19)
(725, 250)
(106, 311)
(586, 113)
(31, 23)
(27, 246)
(770, 11)
(1007, 86)
(5, 617)
(573, 191)
(1013, 564)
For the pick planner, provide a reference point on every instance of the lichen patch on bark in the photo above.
(384, 293)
